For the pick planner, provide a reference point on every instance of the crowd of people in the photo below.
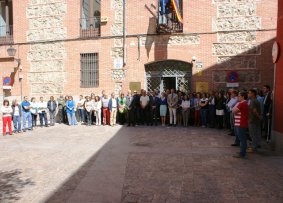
(246, 113)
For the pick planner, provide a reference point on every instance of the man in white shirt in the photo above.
(172, 100)
(144, 101)
(42, 111)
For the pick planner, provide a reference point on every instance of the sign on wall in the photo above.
(135, 86)
(201, 86)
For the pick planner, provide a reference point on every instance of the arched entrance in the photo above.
(167, 74)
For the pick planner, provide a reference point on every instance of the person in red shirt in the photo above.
(241, 115)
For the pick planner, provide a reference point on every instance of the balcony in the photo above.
(6, 34)
(90, 27)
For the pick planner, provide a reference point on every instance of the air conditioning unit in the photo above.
(104, 19)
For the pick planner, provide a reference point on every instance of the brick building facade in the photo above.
(278, 90)
(79, 47)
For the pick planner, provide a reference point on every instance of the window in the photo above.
(6, 21)
(90, 19)
(89, 70)
(170, 16)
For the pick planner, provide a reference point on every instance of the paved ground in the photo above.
(103, 165)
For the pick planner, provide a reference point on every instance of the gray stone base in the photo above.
(277, 141)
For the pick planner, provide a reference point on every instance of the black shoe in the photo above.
(175, 125)
(24, 130)
(170, 125)
(29, 128)
(235, 145)
(128, 125)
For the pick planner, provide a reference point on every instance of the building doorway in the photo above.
(169, 83)
(168, 74)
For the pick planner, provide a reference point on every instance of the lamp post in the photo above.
(12, 52)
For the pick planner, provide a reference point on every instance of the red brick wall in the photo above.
(198, 17)
(279, 73)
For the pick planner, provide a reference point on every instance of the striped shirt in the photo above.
(242, 117)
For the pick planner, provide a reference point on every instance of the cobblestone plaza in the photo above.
(142, 164)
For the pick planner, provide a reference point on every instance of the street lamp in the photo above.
(12, 52)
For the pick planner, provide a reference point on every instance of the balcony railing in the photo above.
(90, 27)
(6, 34)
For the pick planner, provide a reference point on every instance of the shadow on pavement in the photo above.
(11, 185)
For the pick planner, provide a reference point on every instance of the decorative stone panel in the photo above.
(117, 4)
(47, 77)
(236, 37)
(47, 46)
(36, 2)
(118, 42)
(235, 49)
(47, 34)
(118, 75)
(245, 76)
(46, 55)
(46, 66)
(237, 62)
(117, 52)
(234, 1)
(46, 10)
(117, 29)
(118, 88)
(233, 10)
(46, 23)
(238, 23)
(52, 88)
(173, 40)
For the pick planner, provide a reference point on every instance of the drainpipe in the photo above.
(124, 32)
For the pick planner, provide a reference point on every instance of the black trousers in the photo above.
(144, 116)
(153, 115)
(61, 115)
(132, 116)
(89, 117)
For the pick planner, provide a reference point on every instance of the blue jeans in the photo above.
(242, 135)
(203, 115)
(42, 116)
(27, 117)
(17, 123)
(72, 118)
(255, 133)
(82, 115)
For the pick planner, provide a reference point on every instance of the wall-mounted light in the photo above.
(12, 52)
(194, 58)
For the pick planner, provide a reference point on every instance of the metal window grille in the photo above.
(89, 70)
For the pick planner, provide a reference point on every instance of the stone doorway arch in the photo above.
(161, 75)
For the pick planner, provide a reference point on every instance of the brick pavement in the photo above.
(81, 164)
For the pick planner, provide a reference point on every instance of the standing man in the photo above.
(105, 110)
(144, 102)
(241, 115)
(42, 111)
(26, 114)
(172, 100)
(230, 105)
(267, 101)
(52, 106)
(153, 108)
(132, 103)
(254, 120)
(113, 106)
